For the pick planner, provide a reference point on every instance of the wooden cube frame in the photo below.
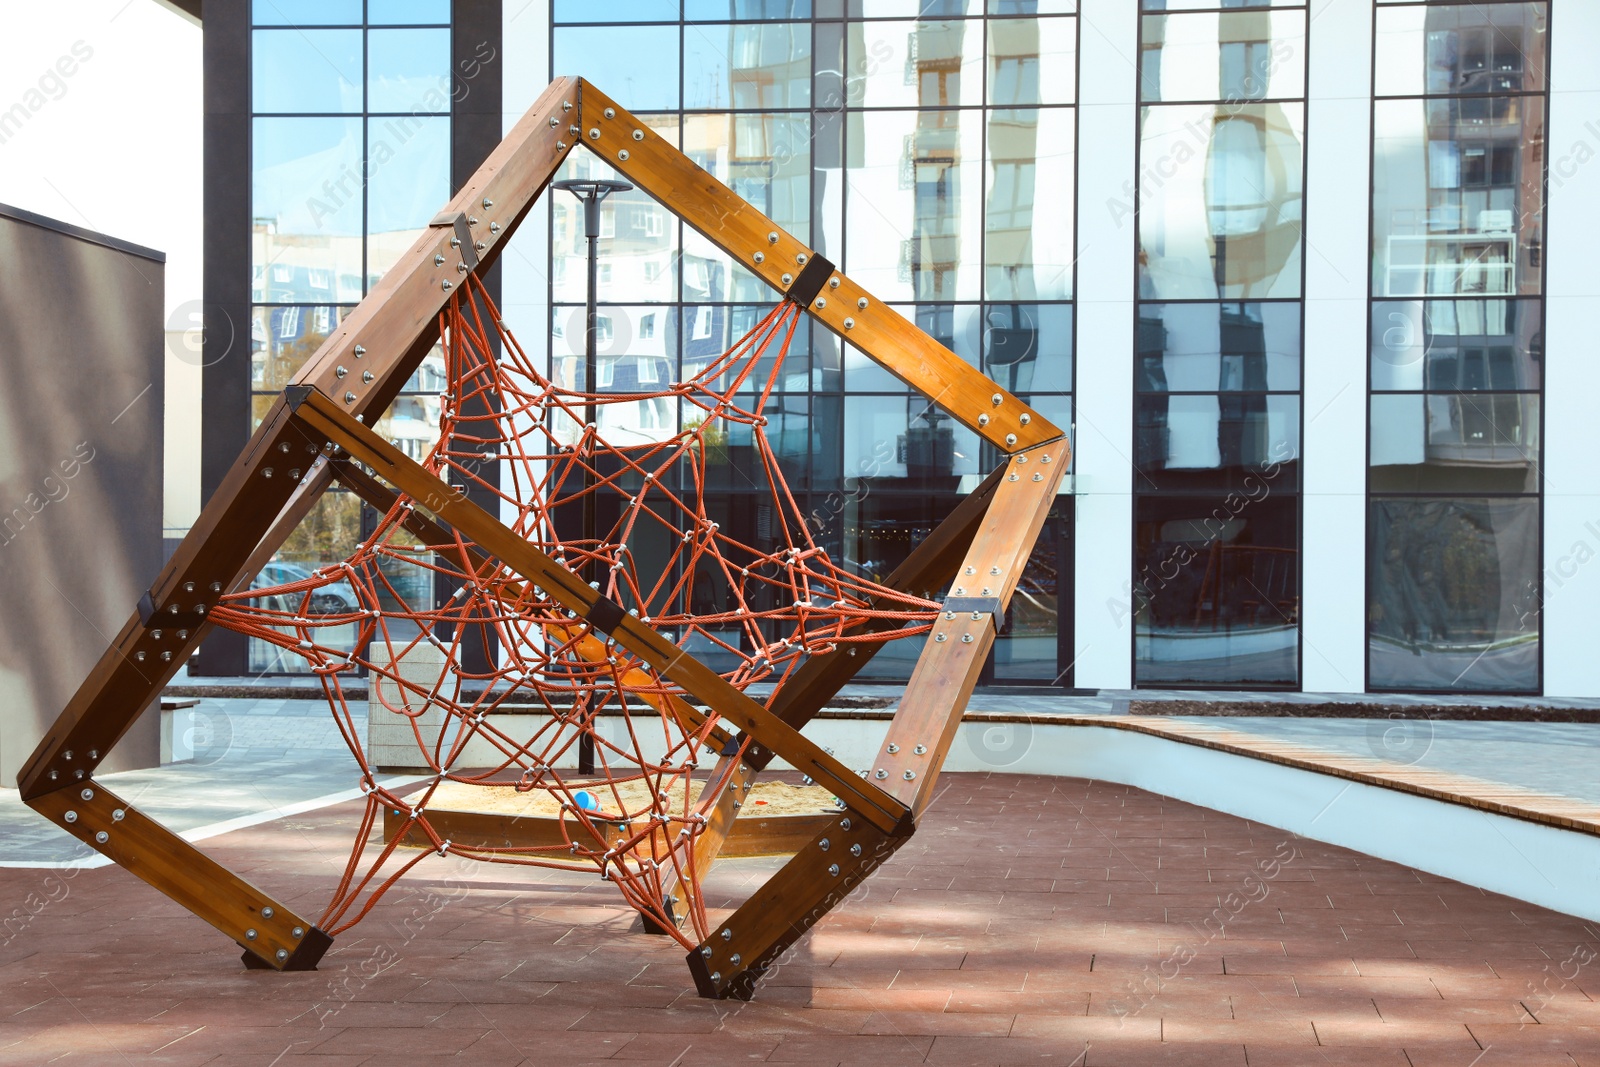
(980, 550)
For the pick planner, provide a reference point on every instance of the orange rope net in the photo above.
(754, 613)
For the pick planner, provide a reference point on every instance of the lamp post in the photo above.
(591, 191)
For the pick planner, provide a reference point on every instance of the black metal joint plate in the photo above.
(605, 615)
(813, 276)
(984, 605)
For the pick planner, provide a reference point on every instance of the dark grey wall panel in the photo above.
(81, 397)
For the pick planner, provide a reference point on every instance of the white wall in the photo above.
(1572, 371)
(1103, 434)
(114, 146)
(1333, 530)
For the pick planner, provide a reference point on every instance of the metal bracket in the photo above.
(464, 245)
(986, 605)
(605, 615)
(813, 276)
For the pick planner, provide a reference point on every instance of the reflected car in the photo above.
(332, 599)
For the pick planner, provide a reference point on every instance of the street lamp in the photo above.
(591, 191)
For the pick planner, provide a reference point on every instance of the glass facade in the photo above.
(927, 147)
(350, 156)
(1218, 339)
(1454, 523)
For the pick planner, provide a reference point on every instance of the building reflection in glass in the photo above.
(1457, 348)
(1215, 599)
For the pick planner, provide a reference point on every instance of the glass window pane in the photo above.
(1454, 594)
(306, 71)
(636, 65)
(1461, 48)
(1028, 243)
(710, 330)
(906, 9)
(616, 11)
(766, 159)
(752, 65)
(1194, 5)
(408, 167)
(409, 12)
(958, 327)
(1032, 7)
(283, 338)
(1216, 597)
(1219, 347)
(1457, 200)
(1026, 649)
(1028, 347)
(916, 64)
(1220, 201)
(1255, 55)
(306, 12)
(408, 71)
(912, 218)
(328, 534)
(306, 209)
(1032, 61)
(1216, 443)
(1457, 344)
(1455, 443)
(718, 10)
(638, 258)
(904, 442)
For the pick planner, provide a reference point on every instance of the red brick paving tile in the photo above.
(1164, 1054)
(936, 1023)
(867, 1049)
(1073, 1029)
(1281, 1056)
(1333, 1029)
(966, 1051)
(1451, 1056)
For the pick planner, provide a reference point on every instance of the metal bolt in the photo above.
(1011, 438)
(102, 837)
(996, 399)
(800, 258)
(166, 657)
(249, 935)
(611, 112)
(487, 203)
(298, 931)
(283, 954)
(87, 794)
(554, 122)
(983, 420)
(966, 639)
(855, 850)
(494, 227)
(118, 815)
(339, 372)
(561, 146)
(823, 844)
(849, 324)
(1011, 477)
(920, 749)
(940, 639)
(349, 398)
(772, 238)
(844, 824)
(266, 913)
(910, 775)
(1038, 477)
(472, 220)
(138, 657)
(716, 976)
(727, 935)
(638, 135)
(760, 257)
(623, 155)
(787, 278)
(881, 773)
(893, 748)
(367, 376)
(822, 301)
(360, 351)
(71, 816)
(833, 869)
(705, 952)
(594, 133)
(438, 260)
(1025, 419)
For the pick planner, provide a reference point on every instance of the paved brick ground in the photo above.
(1031, 921)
